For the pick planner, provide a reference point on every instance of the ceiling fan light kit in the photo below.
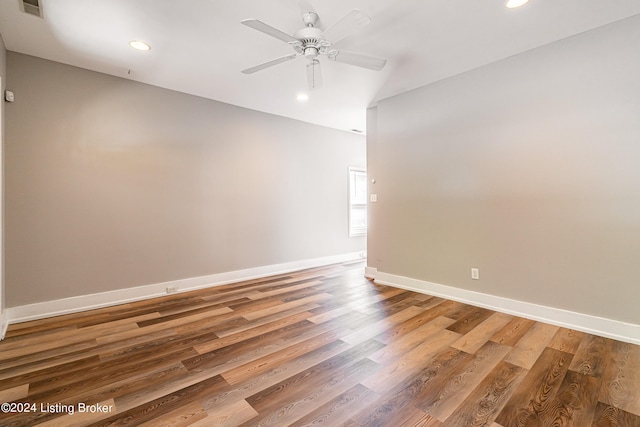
(311, 42)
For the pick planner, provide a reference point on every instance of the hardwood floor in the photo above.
(317, 347)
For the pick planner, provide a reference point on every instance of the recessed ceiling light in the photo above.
(137, 44)
(302, 97)
(515, 3)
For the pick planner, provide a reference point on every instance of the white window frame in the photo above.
(361, 203)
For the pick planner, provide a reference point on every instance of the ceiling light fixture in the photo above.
(516, 3)
(302, 97)
(137, 44)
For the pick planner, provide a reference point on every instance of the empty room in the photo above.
(305, 212)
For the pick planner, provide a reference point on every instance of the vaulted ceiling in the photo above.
(199, 46)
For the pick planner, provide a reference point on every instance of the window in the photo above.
(357, 201)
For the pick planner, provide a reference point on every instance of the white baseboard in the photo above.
(608, 328)
(121, 296)
(4, 324)
(370, 272)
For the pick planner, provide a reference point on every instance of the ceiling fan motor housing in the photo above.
(312, 43)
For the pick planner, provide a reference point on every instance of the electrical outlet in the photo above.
(475, 274)
(172, 289)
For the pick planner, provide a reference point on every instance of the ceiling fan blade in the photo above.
(269, 64)
(358, 60)
(269, 30)
(349, 23)
(314, 76)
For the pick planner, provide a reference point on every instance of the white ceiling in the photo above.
(199, 46)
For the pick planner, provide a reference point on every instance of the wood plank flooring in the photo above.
(317, 347)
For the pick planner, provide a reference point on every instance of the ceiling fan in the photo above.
(311, 42)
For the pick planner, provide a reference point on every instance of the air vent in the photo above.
(32, 7)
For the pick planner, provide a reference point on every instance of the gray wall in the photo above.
(112, 184)
(528, 169)
(3, 75)
(374, 240)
